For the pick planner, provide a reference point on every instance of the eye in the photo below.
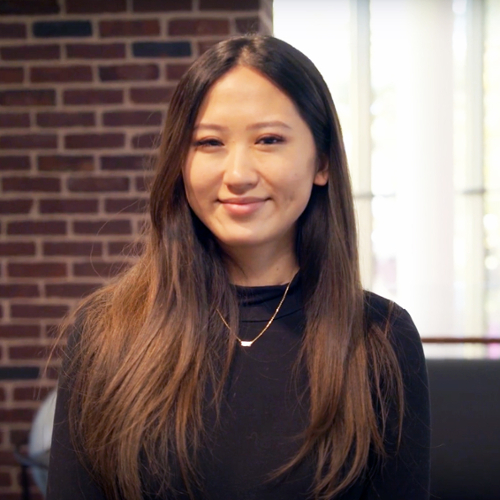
(270, 140)
(207, 143)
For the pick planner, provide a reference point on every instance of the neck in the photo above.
(264, 267)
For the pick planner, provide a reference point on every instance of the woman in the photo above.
(240, 357)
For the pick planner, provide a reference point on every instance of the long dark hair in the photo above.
(150, 342)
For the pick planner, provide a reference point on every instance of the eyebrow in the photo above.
(254, 126)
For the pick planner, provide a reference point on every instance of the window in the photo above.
(417, 89)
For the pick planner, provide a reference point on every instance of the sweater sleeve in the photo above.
(68, 478)
(405, 475)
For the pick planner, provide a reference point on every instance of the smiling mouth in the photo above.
(242, 206)
(243, 201)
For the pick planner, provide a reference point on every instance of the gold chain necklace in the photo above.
(248, 343)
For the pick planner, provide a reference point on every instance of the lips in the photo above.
(242, 200)
(242, 205)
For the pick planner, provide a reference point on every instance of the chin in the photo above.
(245, 241)
(240, 243)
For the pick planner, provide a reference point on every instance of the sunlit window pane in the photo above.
(492, 171)
(325, 31)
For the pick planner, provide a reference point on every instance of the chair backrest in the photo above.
(465, 425)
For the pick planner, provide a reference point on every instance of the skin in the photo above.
(249, 175)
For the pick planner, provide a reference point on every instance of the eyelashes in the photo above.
(267, 140)
(207, 143)
(271, 139)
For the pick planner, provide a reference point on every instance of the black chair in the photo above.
(465, 424)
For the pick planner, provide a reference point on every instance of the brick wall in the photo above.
(84, 86)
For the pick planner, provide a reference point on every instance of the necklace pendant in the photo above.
(246, 343)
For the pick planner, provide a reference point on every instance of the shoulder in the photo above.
(397, 323)
(386, 313)
(379, 310)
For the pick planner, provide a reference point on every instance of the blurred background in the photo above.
(84, 88)
(417, 87)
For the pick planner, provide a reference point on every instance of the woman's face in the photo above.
(252, 163)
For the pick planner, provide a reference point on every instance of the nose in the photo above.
(240, 173)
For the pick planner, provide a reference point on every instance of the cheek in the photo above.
(200, 175)
(298, 181)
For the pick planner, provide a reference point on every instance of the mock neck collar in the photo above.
(258, 303)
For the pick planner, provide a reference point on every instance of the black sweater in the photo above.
(262, 414)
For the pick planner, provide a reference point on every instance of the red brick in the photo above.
(11, 416)
(28, 141)
(129, 72)
(27, 98)
(71, 290)
(95, 6)
(205, 45)
(66, 163)
(42, 74)
(102, 227)
(35, 184)
(32, 393)
(150, 140)
(16, 206)
(178, 27)
(11, 75)
(14, 163)
(12, 30)
(143, 27)
(28, 351)
(246, 25)
(69, 206)
(14, 331)
(94, 141)
(132, 118)
(36, 269)
(72, 248)
(7, 457)
(95, 50)
(161, 5)
(14, 249)
(126, 205)
(11, 291)
(28, 52)
(133, 162)
(229, 5)
(124, 248)
(98, 184)
(30, 7)
(37, 311)
(143, 183)
(3, 396)
(5, 479)
(19, 437)
(65, 119)
(52, 372)
(151, 95)
(101, 269)
(14, 120)
(175, 71)
(93, 96)
(29, 227)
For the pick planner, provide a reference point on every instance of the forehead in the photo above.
(244, 91)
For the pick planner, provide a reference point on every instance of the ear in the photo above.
(321, 177)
